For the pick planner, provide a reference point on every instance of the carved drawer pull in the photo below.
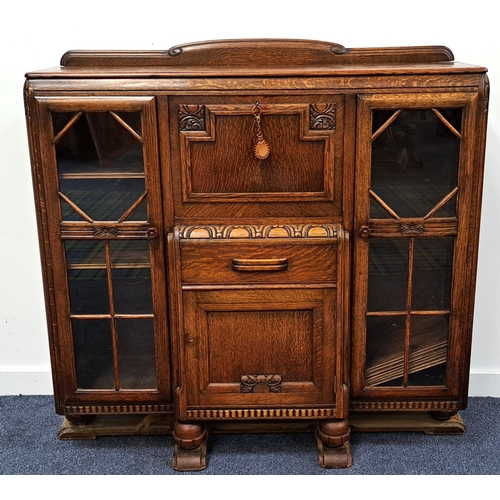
(260, 264)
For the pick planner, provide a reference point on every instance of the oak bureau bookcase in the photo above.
(259, 236)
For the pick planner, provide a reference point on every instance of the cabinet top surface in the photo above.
(257, 57)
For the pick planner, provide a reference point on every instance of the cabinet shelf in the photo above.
(428, 348)
(87, 266)
(102, 175)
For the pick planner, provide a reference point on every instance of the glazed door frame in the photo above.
(108, 232)
(427, 224)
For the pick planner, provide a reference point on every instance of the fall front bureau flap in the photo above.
(260, 154)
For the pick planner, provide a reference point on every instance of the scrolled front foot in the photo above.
(334, 451)
(190, 447)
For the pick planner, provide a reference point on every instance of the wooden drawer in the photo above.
(259, 260)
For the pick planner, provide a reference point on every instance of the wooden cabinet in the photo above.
(258, 234)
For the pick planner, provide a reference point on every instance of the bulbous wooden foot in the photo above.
(190, 447)
(80, 419)
(334, 451)
(443, 415)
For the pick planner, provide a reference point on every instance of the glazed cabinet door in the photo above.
(105, 259)
(411, 329)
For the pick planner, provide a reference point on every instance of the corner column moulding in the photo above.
(258, 235)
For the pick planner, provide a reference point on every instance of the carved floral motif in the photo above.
(260, 383)
(322, 116)
(105, 231)
(191, 117)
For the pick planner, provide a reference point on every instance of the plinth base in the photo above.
(118, 425)
(405, 422)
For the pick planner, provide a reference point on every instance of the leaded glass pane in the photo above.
(100, 164)
(415, 162)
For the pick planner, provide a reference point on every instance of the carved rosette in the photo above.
(175, 51)
(191, 117)
(365, 231)
(322, 116)
(251, 231)
(152, 233)
(336, 48)
(260, 383)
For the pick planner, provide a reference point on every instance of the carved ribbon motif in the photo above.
(105, 231)
(412, 228)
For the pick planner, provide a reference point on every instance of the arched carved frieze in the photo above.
(252, 231)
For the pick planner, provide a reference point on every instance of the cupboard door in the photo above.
(251, 349)
(101, 176)
(259, 155)
(413, 192)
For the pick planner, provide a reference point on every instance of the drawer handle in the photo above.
(246, 265)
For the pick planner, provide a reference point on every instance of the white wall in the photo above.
(34, 35)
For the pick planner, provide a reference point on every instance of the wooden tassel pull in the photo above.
(261, 148)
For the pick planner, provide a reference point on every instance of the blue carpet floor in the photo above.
(29, 446)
